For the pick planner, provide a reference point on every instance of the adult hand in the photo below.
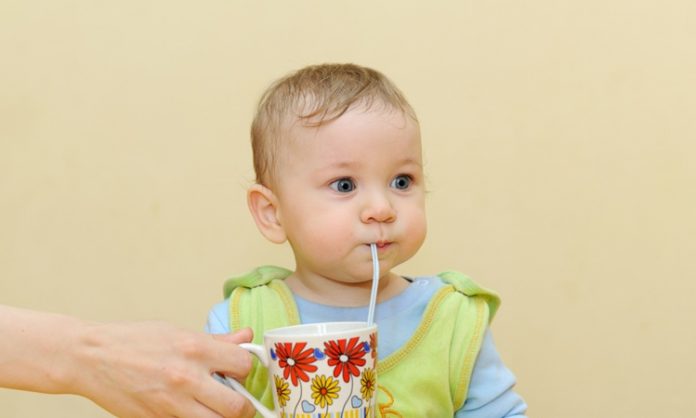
(133, 369)
(157, 370)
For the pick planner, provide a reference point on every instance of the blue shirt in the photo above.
(491, 388)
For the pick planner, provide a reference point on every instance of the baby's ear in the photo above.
(263, 206)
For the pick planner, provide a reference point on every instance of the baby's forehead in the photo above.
(354, 132)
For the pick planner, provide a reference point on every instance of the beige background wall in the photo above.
(560, 139)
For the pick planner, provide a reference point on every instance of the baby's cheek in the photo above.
(327, 236)
(416, 228)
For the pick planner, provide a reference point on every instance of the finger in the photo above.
(228, 358)
(243, 335)
(223, 400)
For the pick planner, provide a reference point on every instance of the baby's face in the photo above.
(351, 182)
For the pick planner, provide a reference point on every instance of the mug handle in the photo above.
(260, 352)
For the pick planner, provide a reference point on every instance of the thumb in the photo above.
(243, 335)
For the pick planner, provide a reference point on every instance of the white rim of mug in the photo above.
(351, 327)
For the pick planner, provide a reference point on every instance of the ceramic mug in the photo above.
(318, 370)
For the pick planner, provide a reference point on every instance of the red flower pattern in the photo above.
(345, 357)
(373, 344)
(295, 361)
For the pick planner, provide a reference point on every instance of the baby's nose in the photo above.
(378, 209)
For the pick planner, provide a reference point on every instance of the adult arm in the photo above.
(491, 391)
(139, 369)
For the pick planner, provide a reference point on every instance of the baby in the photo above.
(338, 161)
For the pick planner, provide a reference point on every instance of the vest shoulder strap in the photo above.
(262, 287)
(257, 277)
(467, 286)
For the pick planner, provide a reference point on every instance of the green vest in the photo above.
(427, 377)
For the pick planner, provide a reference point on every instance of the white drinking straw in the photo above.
(375, 283)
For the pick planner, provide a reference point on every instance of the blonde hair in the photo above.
(316, 95)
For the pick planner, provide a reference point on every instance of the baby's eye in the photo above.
(344, 185)
(401, 182)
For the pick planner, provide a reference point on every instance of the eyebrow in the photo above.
(350, 164)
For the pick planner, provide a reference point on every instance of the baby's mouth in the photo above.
(382, 244)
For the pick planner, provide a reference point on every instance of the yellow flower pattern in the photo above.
(282, 390)
(324, 390)
(367, 384)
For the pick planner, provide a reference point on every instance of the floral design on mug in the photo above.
(367, 383)
(282, 390)
(345, 357)
(373, 345)
(295, 360)
(324, 390)
(316, 380)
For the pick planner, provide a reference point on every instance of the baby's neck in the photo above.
(335, 293)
